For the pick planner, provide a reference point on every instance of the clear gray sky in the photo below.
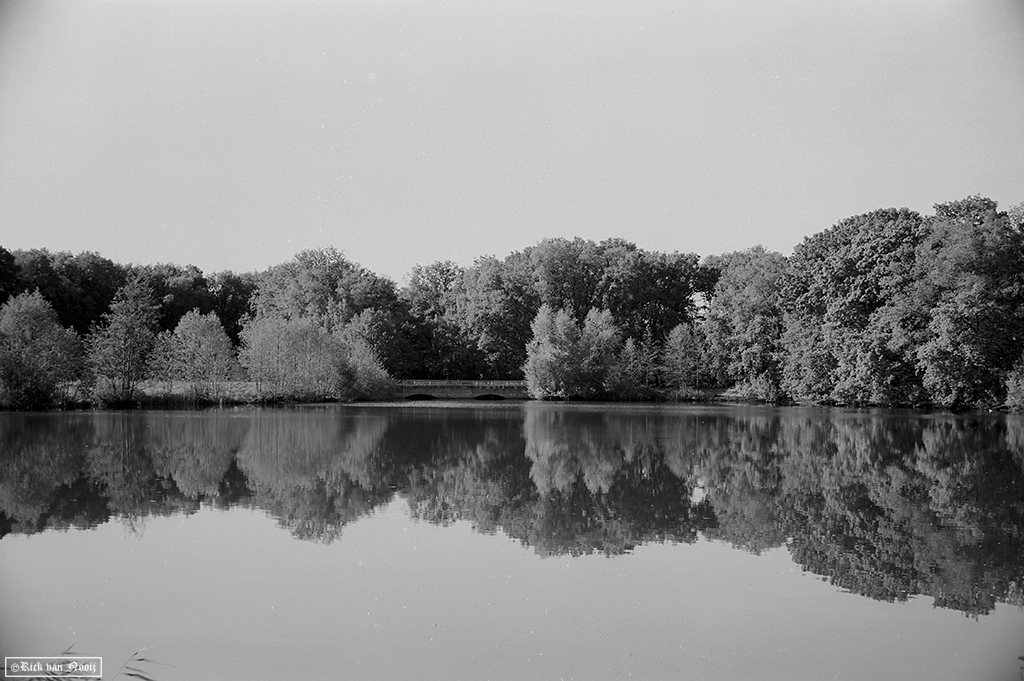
(231, 134)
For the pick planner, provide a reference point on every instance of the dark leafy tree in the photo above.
(847, 335)
(743, 325)
(432, 290)
(177, 290)
(567, 274)
(445, 348)
(970, 286)
(232, 300)
(383, 332)
(650, 293)
(79, 287)
(38, 272)
(9, 279)
(496, 309)
(94, 281)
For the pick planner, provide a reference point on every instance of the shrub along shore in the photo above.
(888, 308)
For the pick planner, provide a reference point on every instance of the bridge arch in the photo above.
(462, 390)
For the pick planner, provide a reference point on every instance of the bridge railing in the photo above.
(439, 383)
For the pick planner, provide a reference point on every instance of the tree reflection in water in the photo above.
(886, 505)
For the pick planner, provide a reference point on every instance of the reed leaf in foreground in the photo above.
(125, 669)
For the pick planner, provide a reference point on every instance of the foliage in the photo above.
(647, 294)
(565, 359)
(383, 333)
(324, 286)
(80, 288)
(744, 323)
(40, 361)
(178, 290)
(1015, 217)
(331, 293)
(1015, 386)
(8, 275)
(496, 308)
(197, 353)
(443, 344)
(362, 374)
(118, 350)
(298, 359)
(650, 293)
(885, 308)
(635, 372)
(232, 295)
(432, 290)
(289, 358)
(970, 285)
(848, 317)
(683, 363)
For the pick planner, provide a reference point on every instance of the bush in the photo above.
(1015, 387)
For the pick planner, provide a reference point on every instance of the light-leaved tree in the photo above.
(40, 361)
(118, 350)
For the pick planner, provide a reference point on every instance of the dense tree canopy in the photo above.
(848, 320)
(744, 322)
(970, 285)
(885, 308)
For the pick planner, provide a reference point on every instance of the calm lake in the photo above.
(517, 541)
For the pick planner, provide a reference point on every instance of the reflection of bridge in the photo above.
(462, 390)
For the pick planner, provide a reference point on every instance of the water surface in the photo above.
(517, 541)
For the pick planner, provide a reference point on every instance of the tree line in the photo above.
(888, 308)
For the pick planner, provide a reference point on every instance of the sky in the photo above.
(232, 134)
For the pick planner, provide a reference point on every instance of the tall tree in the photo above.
(649, 293)
(384, 332)
(743, 325)
(232, 300)
(177, 290)
(94, 281)
(9, 279)
(444, 346)
(847, 324)
(496, 310)
(118, 349)
(970, 273)
(432, 290)
(322, 284)
(567, 274)
(683, 363)
(262, 351)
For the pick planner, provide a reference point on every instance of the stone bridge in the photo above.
(463, 390)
